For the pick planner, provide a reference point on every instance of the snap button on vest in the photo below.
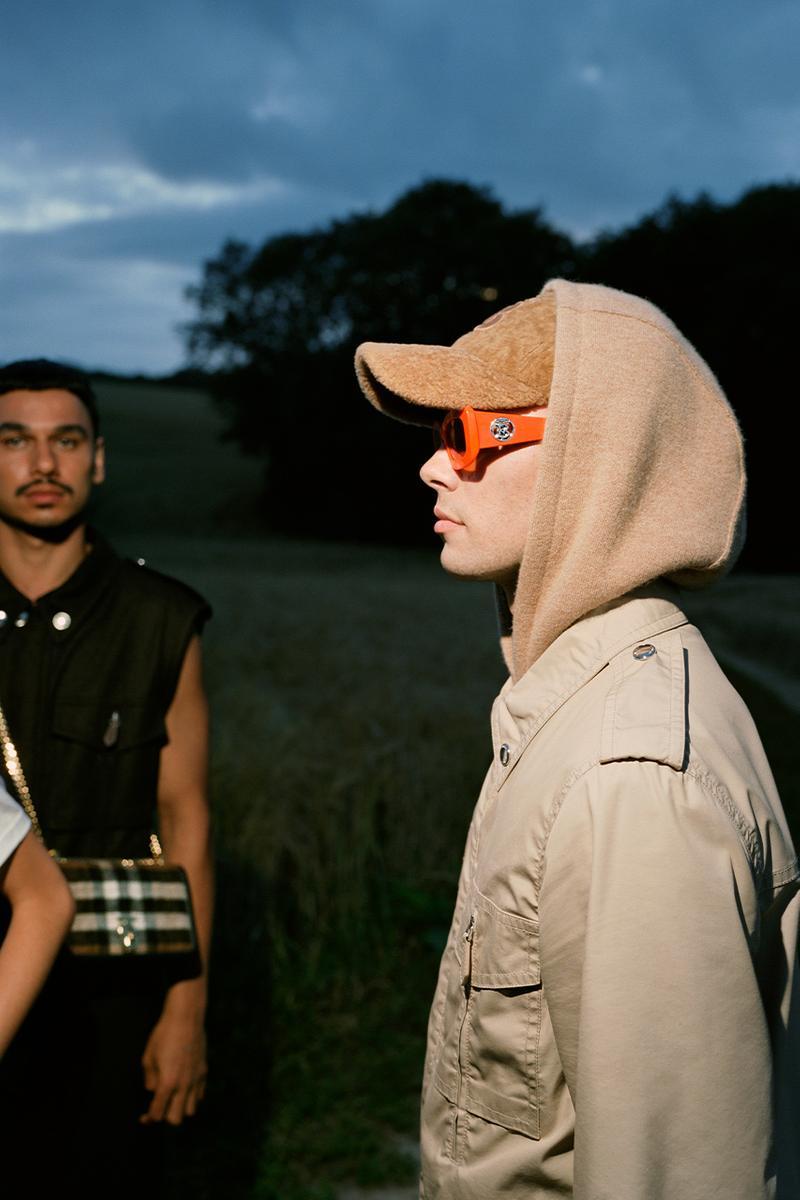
(505, 754)
(61, 621)
(644, 651)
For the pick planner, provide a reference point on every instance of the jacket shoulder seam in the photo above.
(746, 833)
(574, 777)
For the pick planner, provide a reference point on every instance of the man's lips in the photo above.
(44, 493)
(444, 521)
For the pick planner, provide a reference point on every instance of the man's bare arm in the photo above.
(174, 1060)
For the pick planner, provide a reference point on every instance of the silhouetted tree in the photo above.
(723, 274)
(280, 325)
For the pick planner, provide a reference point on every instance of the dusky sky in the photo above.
(137, 137)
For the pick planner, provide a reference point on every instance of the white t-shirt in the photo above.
(13, 824)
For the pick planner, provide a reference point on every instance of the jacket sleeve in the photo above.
(648, 911)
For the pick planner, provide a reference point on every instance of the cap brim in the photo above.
(415, 383)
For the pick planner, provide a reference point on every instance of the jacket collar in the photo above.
(575, 657)
(72, 601)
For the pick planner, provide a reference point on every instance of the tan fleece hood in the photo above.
(642, 470)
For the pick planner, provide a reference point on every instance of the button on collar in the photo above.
(61, 621)
(504, 754)
(22, 620)
(646, 650)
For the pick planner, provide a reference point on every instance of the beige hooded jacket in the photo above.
(612, 1018)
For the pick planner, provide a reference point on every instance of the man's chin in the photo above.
(46, 527)
(461, 567)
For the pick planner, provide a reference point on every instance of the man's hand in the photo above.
(174, 1060)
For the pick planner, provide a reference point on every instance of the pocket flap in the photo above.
(108, 726)
(505, 948)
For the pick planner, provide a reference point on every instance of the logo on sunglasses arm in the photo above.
(501, 429)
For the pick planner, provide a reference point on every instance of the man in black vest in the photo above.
(100, 678)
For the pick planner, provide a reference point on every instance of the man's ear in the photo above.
(99, 461)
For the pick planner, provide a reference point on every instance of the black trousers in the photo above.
(71, 1090)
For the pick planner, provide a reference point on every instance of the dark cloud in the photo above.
(210, 139)
(180, 124)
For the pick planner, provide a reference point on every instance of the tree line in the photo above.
(277, 325)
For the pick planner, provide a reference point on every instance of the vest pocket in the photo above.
(100, 777)
(105, 725)
(500, 1038)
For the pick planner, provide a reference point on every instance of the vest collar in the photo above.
(66, 607)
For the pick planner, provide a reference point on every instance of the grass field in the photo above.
(345, 766)
(350, 738)
(168, 470)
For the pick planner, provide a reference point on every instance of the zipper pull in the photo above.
(469, 934)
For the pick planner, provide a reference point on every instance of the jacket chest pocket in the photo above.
(102, 726)
(102, 768)
(496, 1045)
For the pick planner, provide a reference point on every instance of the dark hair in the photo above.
(40, 374)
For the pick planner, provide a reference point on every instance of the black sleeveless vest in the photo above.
(87, 675)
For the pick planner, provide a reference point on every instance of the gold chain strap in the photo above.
(17, 776)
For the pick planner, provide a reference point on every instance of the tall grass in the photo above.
(350, 691)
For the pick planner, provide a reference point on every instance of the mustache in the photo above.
(44, 482)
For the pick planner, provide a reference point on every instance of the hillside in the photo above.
(168, 469)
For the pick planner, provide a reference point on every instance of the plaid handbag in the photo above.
(124, 906)
(129, 906)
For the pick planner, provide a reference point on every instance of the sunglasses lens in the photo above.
(454, 435)
(451, 434)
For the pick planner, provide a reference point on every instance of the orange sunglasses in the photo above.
(464, 432)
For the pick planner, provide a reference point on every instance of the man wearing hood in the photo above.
(612, 1017)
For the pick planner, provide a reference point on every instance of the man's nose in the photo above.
(44, 461)
(438, 471)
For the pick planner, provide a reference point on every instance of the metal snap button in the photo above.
(646, 650)
(61, 621)
(22, 620)
(505, 754)
(3, 617)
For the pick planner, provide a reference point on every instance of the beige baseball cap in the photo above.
(506, 362)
